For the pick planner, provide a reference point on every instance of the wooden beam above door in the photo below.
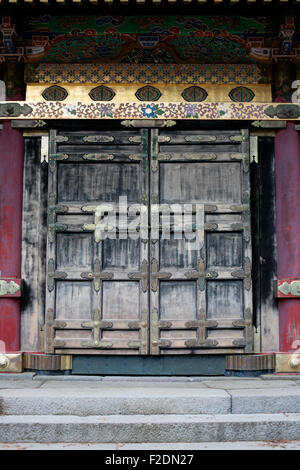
(239, 111)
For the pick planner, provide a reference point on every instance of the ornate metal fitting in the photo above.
(237, 138)
(195, 343)
(97, 227)
(164, 156)
(142, 157)
(201, 274)
(210, 227)
(201, 324)
(164, 324)
(162, 343)
(165, 343)
(283, 111)
(241, 323)
(134, 344)
(210, 208)
(240, 343)
(136, 139)
(244, 274)
(96, 325)
(159, 157)
(98, 138)
(243, 157)
(97, 344)
(200, 156)
(97, 276)
(141, 276)
(238, 207)
(144, 199)
(136, 325)
(53, 228)
(10, 110)
(3, 361)
(61, 138)
(163, 139)
(54, 158)
(237, 226)
(141, 123)
(200, 138)
(54, 275)
(98, 156)
(157, 275)
(53, 209)
(11, 362)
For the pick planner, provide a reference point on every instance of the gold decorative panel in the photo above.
(168, 92)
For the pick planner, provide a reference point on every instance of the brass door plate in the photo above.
(49, 362)
(288, 363)
(11, 363)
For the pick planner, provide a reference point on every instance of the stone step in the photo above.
(150, 446)
(152, 428)
(85, 399)
(96, 399)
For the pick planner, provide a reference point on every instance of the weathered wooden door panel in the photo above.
(158, 293)
(201, 299)
(97, 292)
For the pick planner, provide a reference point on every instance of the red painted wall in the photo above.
(287, 165)
(11, 185)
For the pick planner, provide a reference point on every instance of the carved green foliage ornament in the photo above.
(292, 288)
(8, 287)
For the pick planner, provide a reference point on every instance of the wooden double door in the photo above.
(149, 242)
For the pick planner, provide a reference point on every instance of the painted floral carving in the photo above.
(8, 287)
(131, 110)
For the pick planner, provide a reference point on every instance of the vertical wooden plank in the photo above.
(144, 242)
(51, 246)
(268, 245)
(248, 303)
(154, 243)
(34, 226)
(255, 232)
(201, 282)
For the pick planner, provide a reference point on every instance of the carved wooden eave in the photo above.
(163, 110)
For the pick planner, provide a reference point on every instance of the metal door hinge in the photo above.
(44, 148)
(253, 149)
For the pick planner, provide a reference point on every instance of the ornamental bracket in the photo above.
(10, 287)
(287, 288)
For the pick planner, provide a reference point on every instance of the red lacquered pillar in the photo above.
(11, 186)
(287, 167)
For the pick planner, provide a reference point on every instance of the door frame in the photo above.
(32, 325)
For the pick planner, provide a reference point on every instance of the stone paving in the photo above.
(149, 446)
(131, 412)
